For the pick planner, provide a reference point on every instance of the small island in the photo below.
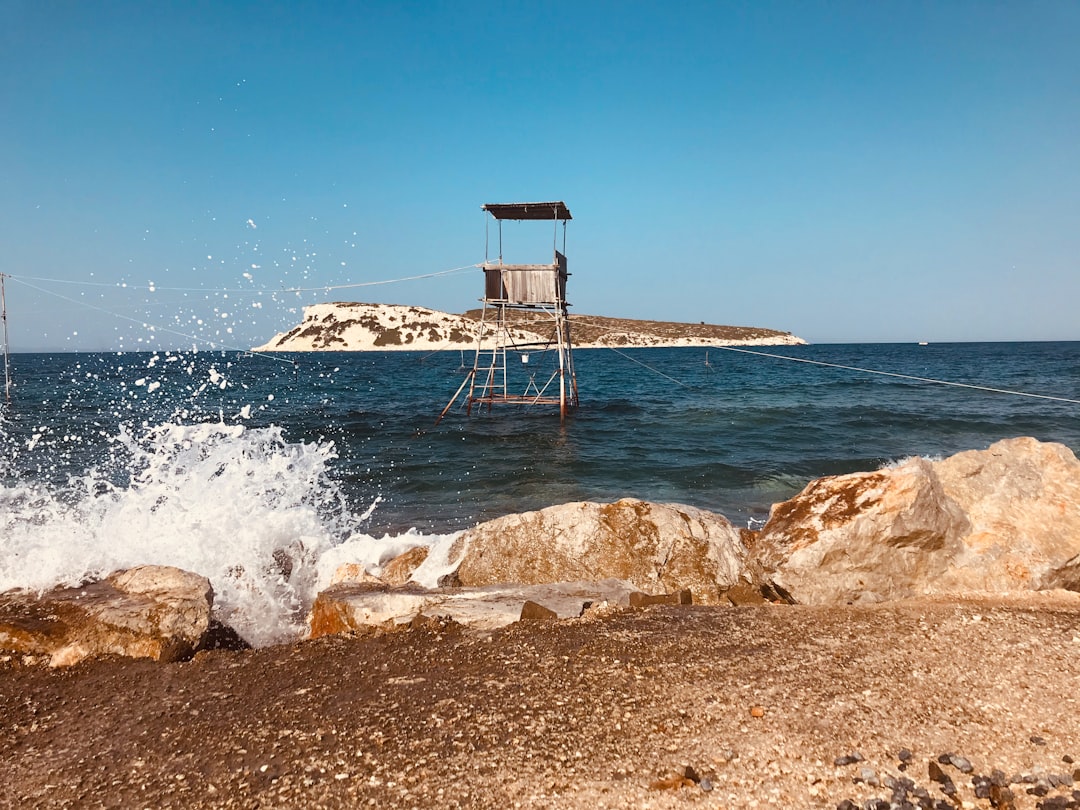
(360, 327)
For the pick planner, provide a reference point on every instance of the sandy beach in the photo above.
(658, 707)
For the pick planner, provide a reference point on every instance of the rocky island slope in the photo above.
(357, 327)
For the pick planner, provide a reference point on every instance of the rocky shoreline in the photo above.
(902, 638)
(663, 707)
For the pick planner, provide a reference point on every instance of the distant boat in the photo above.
(923, 343)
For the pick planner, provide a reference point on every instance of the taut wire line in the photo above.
(900, 376)
(646, 365)
(247, 290)
(143, 322)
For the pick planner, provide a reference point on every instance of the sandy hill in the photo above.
(345, 326)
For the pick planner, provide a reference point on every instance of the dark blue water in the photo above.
(733, 436)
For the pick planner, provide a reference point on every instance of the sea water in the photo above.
(265, 472)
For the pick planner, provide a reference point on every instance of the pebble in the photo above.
(962, 764)
(868, 775)
(936, 774)
(848, 759)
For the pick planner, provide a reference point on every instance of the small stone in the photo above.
(848, 759)
(944, 758)
(705, 785)
(847, 804)
(1067, 759)
(535, 612)
(962, 764)
(1037, 739)
(676, 782)
(688, 772)
(757, 711)
(904, 755)
(869, 776)
(935, 772)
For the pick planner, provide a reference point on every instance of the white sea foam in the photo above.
(256, 514)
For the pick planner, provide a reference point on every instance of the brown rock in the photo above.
(640, 600)
(348, 607)
(674, 782)
(400, 569)
(742, 593)
(156, 612)
(659, 548)
(535, 612)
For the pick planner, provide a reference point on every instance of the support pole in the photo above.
(7, 361)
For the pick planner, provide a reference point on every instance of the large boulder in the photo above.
(1002, 519)
(1022, 498)
(156, 612)
(658, 548)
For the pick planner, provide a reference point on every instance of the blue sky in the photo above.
(845, 171)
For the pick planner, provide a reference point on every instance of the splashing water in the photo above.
(242, 506)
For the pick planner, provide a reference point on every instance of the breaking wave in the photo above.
(259, 516)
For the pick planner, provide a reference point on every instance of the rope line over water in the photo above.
(646, 365)
(900, 376)
(248, 290)
(214, 345)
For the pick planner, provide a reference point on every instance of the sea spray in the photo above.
(372, 554)
(242, 506)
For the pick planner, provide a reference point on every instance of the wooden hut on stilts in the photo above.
(520, 299)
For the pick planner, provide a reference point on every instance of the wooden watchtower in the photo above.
(523, 351)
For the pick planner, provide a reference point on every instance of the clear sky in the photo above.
(847, 171)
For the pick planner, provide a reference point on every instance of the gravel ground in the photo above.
(969, 703)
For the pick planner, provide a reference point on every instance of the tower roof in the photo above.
(528, 210)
